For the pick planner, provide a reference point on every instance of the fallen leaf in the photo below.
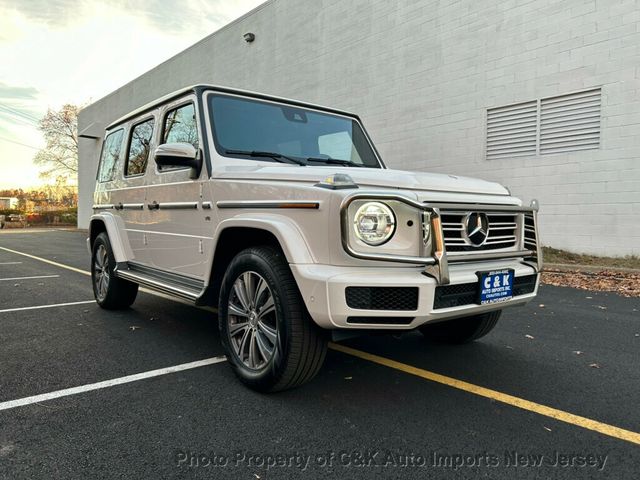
(623, 283)
(531, 337)
(133, 328)
(601, 307)
(594, 365)
(541, 305)
(509, 347)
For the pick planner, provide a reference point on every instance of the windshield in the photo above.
(243, 127)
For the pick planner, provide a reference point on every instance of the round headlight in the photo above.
(374, 223)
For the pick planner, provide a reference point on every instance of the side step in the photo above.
(166, 282)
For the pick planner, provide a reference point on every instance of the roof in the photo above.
(202, 87)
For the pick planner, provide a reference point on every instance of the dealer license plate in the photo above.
(495, 286)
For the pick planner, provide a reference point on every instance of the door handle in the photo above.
(153, 206)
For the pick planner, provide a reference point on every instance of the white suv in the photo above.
(283, 215)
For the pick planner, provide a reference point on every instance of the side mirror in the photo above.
(178, 155)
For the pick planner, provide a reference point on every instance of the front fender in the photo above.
(293, 243)
(116, 232)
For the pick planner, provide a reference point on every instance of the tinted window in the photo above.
(180, 126)
(139, 145)
(248, 125)
(110, 156)
(338, 145)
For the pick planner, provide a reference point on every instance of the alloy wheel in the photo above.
(101, 272)
(252, 321)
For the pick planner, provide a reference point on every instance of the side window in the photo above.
(139, 145)
(110, 155)
(180, 126)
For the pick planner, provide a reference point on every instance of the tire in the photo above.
(270, 340)
(461, 330)
(110, 292)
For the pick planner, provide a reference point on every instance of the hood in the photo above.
(374, 177)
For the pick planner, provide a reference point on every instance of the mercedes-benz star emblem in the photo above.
(476, 228)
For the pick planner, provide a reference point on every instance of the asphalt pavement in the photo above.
(552, 392)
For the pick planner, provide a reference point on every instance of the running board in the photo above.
(165, 282)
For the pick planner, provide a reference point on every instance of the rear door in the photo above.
(132, 197)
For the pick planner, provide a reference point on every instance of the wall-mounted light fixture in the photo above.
(249, 37)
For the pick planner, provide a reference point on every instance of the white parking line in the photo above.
(108, 383)
(28, 278)
(19, 309)
(10, 263)
(50, 262)
(84, 272)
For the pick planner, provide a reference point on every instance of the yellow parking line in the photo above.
(518, 402)
(554, 413)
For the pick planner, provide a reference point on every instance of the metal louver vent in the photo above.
(570, 122)
(512, 130)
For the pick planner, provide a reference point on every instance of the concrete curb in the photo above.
(569, 267)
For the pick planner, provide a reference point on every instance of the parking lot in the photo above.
(553, 392)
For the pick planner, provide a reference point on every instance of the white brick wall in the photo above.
(422, 74)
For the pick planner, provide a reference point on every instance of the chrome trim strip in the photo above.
(132, 206)
(177, 205)
(268, 204)
(436, 265)
(489, 256)
(488, 208)
(104, 206)
(160, 274)
(161, 286)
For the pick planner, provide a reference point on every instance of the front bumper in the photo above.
(323, 288)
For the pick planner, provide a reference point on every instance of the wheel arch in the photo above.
(114, 228)
(237, 234)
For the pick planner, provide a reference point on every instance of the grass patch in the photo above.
(554, 255)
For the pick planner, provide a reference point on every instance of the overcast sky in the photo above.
(76, 51)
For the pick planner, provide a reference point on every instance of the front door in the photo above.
(175, 217)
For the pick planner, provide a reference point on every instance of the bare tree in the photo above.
(59, 158)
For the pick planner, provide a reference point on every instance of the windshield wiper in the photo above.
(334, 161)
(278, 157)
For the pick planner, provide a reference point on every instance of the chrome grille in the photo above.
(502, 233)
